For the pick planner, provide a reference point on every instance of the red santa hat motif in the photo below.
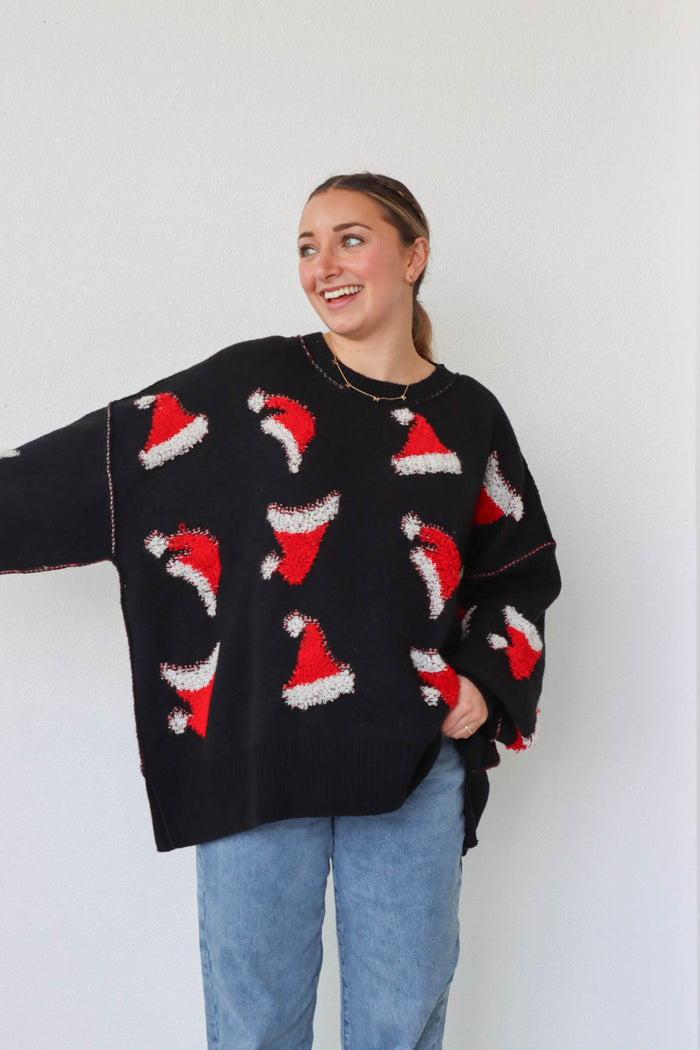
(193, 684)
(423, 452)
(299, 531)
(290, 422)
(317, 677)
(436, 558)
(173, 430)
(195, 558)
(523, 647)
(465, 619)
(440, 680)
(497, 498)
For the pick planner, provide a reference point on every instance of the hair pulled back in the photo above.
(400, 208)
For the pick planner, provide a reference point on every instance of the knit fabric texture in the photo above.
(305, 572)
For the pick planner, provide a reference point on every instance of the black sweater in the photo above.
(303, 572)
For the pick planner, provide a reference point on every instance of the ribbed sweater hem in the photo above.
(277, 780)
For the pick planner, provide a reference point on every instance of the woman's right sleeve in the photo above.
(56, 499)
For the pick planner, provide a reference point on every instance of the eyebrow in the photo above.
(341, 226)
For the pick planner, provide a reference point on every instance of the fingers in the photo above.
(468, 714)
(463, 728)
(461, 722)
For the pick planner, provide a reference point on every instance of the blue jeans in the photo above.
(396, 877)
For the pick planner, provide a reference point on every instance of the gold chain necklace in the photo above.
(375, 397)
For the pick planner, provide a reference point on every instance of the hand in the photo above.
(470, 712)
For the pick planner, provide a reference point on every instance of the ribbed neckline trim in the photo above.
(321, 356)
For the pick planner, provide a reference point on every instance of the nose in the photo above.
(326, 264)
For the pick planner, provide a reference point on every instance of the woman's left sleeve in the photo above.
(510, 578)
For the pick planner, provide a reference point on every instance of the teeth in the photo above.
(342, 291)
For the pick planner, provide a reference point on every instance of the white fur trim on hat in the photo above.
(497, 488)
(273, 426)
(431, 695)
(199, 581)
(427, 463)
(497, 641)
(183, 441)
(466, 620)
(193, 677)
(321, 690)
(431, 578)
(428, 660)
(520, 623)
(303, 519)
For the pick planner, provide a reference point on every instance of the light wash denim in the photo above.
(397, 878)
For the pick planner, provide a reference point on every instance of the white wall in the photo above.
(156, 157)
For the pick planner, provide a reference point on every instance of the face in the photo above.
(345, 241)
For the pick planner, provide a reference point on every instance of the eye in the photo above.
(303, 249)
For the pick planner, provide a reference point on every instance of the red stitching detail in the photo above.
(109, 481)
(495, 572)
(48, 568)
(341, 386)
(485, 769)
(335, 382)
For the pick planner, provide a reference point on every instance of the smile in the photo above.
(342, 295)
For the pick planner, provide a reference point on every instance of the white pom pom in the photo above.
(411, 525)
(269, 565)
(294, 623)
(156, 543)
(257, 400)
(178, 720)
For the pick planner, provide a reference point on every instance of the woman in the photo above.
(335, 567)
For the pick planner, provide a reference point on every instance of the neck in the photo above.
(391, 361)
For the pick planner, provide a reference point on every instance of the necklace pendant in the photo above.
(374, 398)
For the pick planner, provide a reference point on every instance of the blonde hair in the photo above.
(400, 208)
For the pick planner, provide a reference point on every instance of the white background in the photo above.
(155, 160)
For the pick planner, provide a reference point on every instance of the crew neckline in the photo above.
(321, 355)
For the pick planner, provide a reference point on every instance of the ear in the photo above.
(418, 255)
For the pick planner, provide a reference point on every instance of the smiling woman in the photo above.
(334, 567)
(363, 251)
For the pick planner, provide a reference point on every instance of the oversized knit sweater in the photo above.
(304, 572)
